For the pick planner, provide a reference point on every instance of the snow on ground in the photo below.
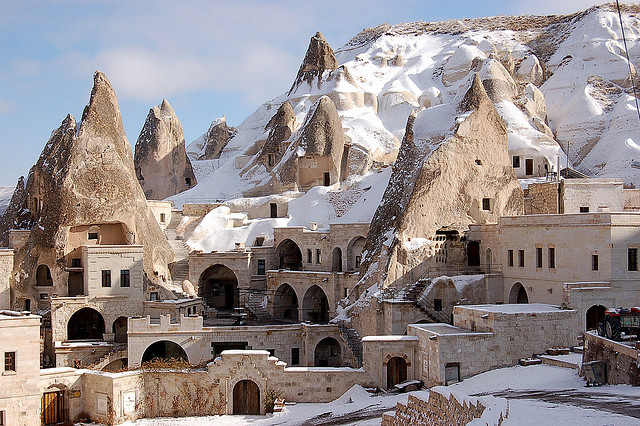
(522, 410)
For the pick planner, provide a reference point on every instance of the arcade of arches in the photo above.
(85, 324)
(289, 255)
(218, 286)
(285, 303)
(315, 306)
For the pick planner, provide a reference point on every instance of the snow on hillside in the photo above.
(6, 192)
(387, 72)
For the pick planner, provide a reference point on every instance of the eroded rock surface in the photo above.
(84, 177)
(161, 163)
(318, 59)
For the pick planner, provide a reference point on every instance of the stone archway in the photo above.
(43, 276)
(595, 315)
(396, 371)
(488, 260)
(328, 353)
(336, 260)
(218, 286)
(246, 398)
(164, 349)
(289, 255)
(85, 324)
(119, 329)
(315, 305)
(354, 253)
(285, 303)
(518, 294)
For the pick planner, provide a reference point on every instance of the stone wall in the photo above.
(622, 361)
(378, 350)
(19, 395)
(543, 198)
(444, 407)
(6, 267)
(159, 208)
(197, 340)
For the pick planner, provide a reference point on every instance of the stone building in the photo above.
(585, 261)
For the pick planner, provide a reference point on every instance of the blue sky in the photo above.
(208, 58)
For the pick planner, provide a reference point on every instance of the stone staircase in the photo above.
(354, 341)
(119, 351)
(180, 269)
(255, 304)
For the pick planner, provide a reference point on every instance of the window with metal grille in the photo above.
(552, 257)
(9, 361)
(632, 259)
(521, 258)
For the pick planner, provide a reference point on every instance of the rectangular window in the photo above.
(295, 356)
(272, 352)
(486, 204)
(44, 296)
(261, 267)
(125, 278)
(106, 278)
(584, 209)
(552, 257)
(273, 210)
(259, 242)
(309, 256)
(437, 305)
(153, 295)
(632, 259)
(318, 256)
(538, 257)
(163, 217)
(358, 261)
(594, 262)
(2, 421)
(516, 161)
(510, 257)
(76, 263)
(93, 236)
(9, 361)
(521, 258)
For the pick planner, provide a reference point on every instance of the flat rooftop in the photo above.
(442, 329)
(514, 308)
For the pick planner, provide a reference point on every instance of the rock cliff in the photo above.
(210, 145)
(318, 59)
(161, 163)
(84, 177)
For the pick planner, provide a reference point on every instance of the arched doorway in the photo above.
(119, 329)
(246, 398)
(336, 260)
(488, 260)
(354, 253)
(218, 286)
(518, 294)
(164, 349)
(116, 365)
(86, 324)
(327, 353)
(43, 275)
(473, 253)
(285, 303)
(290, 255)
(396, 371)
(595, 315)
(315, 306)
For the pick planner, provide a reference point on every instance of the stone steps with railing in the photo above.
(353, 340)
(118, 352)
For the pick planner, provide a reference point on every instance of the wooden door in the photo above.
(53, 408)
(396, 371)
(246, 398)
(529, 166)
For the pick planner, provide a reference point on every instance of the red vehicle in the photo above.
(619, 320)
